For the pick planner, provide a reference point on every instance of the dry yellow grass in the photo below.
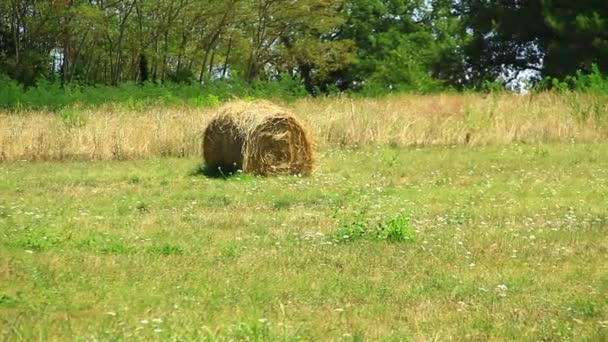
(448, 119)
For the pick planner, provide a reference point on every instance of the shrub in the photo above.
(72, 118)
(361, 226)
(593, 82)
(48, 95)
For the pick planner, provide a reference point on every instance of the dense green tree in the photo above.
(284, 38)
(553, 37)
(27, 36)
(417, 45)
(402, 44)
(577, 36)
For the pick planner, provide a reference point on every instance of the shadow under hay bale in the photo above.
(258, 138)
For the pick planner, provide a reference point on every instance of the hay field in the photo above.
(120, 133)
(448, 217)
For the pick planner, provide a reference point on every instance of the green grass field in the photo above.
(503, 242)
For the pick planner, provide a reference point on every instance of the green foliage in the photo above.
(396, 229)
(577, 37)
(401, 46)
(592, 82)
(7, 301)
(10, 92)
(116, 248)
(559, 38)
(205, 101)
(372, 46)
(72, 118)
(190, 41)
(166, 250)
(51, 96)
(584, 307)
(362, 226)
(492, 86)
(282, 204)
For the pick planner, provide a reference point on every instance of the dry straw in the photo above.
(258, 138)
(115, 132)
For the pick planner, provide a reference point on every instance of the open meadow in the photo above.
(463, 217)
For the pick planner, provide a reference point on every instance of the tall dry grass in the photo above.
(449, 119)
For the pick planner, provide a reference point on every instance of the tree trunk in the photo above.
(211, 61)
(203, 67)
(305, 72)
(165, 52)
(143, 68)
(119, 59)
(225, 68)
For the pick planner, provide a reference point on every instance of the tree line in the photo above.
(324, 44)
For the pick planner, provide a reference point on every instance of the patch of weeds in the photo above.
(584, 307)
(483, 325)
(142, 207)
(441, 182)
(218, 200)
(7, 301)
(258, 230)
(355, 228)
(166, 250)
(250, 332)
(36, 241)
(31, 244)
(358, 336)
(134, 180)
(458, 218)
(117, 248)
(396, 229)
(540, 152)
(231, 251)
(362, 226)
(91, 242)
(72, 118)
(281, 204)
(391, 160)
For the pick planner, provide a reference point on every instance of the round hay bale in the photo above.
(258, 138)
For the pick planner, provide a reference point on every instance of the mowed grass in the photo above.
(509, 242)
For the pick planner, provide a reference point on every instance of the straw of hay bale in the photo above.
(258, 138)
